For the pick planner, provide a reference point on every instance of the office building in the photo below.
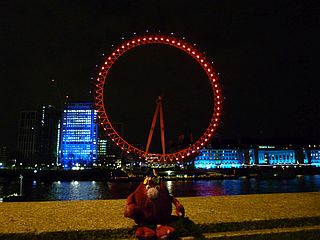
(37, 137)
(78, 139)
(46, 144)
(26, 149)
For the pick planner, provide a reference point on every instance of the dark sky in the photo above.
(265, 51)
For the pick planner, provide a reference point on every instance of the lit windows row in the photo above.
(78, 132)
(80, 111)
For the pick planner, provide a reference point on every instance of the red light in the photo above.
(206, 65)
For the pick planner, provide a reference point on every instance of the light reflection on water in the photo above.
(91, 190)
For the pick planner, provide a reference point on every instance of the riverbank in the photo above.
(117, 175)
(205, 216)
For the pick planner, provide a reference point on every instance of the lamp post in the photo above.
(21, 178)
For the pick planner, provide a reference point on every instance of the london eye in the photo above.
(103, 115)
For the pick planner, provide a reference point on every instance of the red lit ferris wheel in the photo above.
(103, 118)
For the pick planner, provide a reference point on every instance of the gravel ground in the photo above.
(38, 217)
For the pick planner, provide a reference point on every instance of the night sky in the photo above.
(265, 51)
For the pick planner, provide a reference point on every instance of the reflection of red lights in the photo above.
(190, 50)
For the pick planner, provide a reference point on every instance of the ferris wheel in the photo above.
(114, 136)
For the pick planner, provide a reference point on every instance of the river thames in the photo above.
(93, 190)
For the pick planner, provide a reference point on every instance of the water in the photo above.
(91, 190)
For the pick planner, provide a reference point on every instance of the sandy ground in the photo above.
(108, 214)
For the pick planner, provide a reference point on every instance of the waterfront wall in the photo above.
(96, 216)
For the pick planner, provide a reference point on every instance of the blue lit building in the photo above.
(269, 155)
(315, 157)
(305, 158)
(79, 131)
(219, 158)
(210, 158)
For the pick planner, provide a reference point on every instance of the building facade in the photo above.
(78, 138)
(210, 158)
(4, 157)
(47, 125)
(108, 151)
(273, 156)
(26, 148)
(37, 137)
(315, 157)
